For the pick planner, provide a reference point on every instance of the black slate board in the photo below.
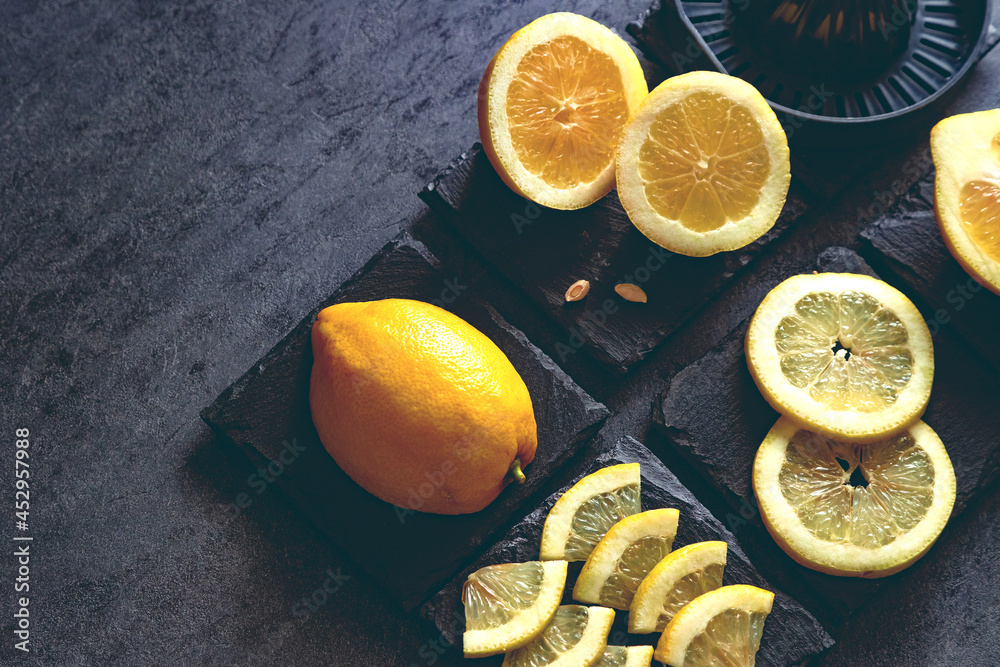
(791, 634)
(714, 415)
(544, 251)
(409, 553)
(907, 241)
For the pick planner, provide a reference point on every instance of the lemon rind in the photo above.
(591, 644)
(961, 154)
(644, 614)
(493, 93)
(671, 234)
(559, 523)
(602, 560)
(845, 560)
(525, 626)
(764, 363)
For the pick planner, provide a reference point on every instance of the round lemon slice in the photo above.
(552, 104)
(966, 152)
(703, 164)
(721, 627)
(623, 558)
(625, 656)
(855, 510)
(575, 636)
(582, 515)
(508, 605)
(846, 355)
(676, 580)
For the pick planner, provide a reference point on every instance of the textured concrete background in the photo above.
(180, 183)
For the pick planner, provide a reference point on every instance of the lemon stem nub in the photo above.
(516, 472)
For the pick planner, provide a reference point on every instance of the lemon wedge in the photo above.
(582, 515)
(508, 605)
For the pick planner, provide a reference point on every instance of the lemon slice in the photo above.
(845, 355)
(966, 152)
(703, 164)
(552, 104)
(625, 656)
(623, 558)
(848, 509)
(507, 605)
(582, 515)
(721, 627)
(676, 580)
(575, 636)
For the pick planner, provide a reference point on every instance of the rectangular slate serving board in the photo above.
(544, 251)
(409, 553)
(714, 415)
(791, 634)
(907, 242)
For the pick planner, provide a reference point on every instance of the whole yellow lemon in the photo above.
(417, 406)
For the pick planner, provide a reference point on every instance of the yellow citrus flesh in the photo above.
(721, 628)
(508, 605)
(966, 152)
(844, 354)
(703, 166)
(552, 105)
(980, 209)
(676, 580)
(566, 107)
(854, 510)
(575, 636)
(705, 162)
(584, 514)
(625, 656)
(623, 558)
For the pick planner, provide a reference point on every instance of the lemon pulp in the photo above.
(563, 633)
(635, 563)
(847, 349)
(687, 588)
(980, 213)
(595, 516)
(565, 109)
(614, 656)
(492, 596)
(730, 639)
(704, 162)
(819, 479)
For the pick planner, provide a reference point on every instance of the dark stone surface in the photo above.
(181, 181)
(409, 553)
(907, 241)
(791, 634)
(714, 414)
(544, 251)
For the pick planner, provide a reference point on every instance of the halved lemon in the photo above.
(721, 627)
(676, 580)
(623, 558)
(854, 510)
(582, 515)
(846, 355)
(575, 636)
(966, 152)
(552, 105)
(508, 605)
(625, 656)
(703, 164)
